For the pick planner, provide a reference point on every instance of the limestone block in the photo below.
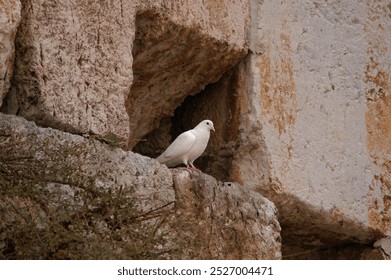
(377, 79)
(73, 65)
(84, 198)
(75, 61)
(89, 200)
(307, 139)
(9, 21)
(224, 221)
(384, 246)
(303, 123)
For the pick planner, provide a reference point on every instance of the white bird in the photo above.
(188, 146)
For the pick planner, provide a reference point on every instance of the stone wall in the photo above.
(303, 119)
(110, 71)
(9, 21)
(298, 92)
(316, 97)
(378, 115)
(119, 67)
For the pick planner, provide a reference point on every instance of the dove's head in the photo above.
(206, 124)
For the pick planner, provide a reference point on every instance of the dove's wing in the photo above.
(181, 145)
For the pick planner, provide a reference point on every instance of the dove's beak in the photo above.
(213, 128)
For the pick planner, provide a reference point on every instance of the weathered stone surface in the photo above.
(73, 65)
(89, 200)
(384, 246)
(377, 73)
(84, 198)
(304, 123)
(172, 61)
(225, 221)
(178, 51)
(75, 61)
(304, 120)
(9, 21)
(307, 141)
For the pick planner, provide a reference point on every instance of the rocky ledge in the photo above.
(75, 197)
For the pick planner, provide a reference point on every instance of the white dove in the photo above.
(188, 146)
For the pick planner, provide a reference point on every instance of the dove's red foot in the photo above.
(192, 169)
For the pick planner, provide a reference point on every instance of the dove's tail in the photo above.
(160, 159)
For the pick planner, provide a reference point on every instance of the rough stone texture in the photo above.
(84, 198)
(89, 200)
(9, 21)
(314, 119)
(384, 246)
(73, 65)
(378, 116)
(225, 221)
(75, 61)
(177, 52)
(170, 64)
(292, 123)
(304, 120)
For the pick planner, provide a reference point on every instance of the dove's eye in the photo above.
(208, 123)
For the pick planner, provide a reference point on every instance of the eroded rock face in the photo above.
(304, 119)
(89, 200)
(224, 221)
(305, 128)
(75, 61)
(378, 116)
(73, 65)
(172, 61)
(9, 21)
(313, 119)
